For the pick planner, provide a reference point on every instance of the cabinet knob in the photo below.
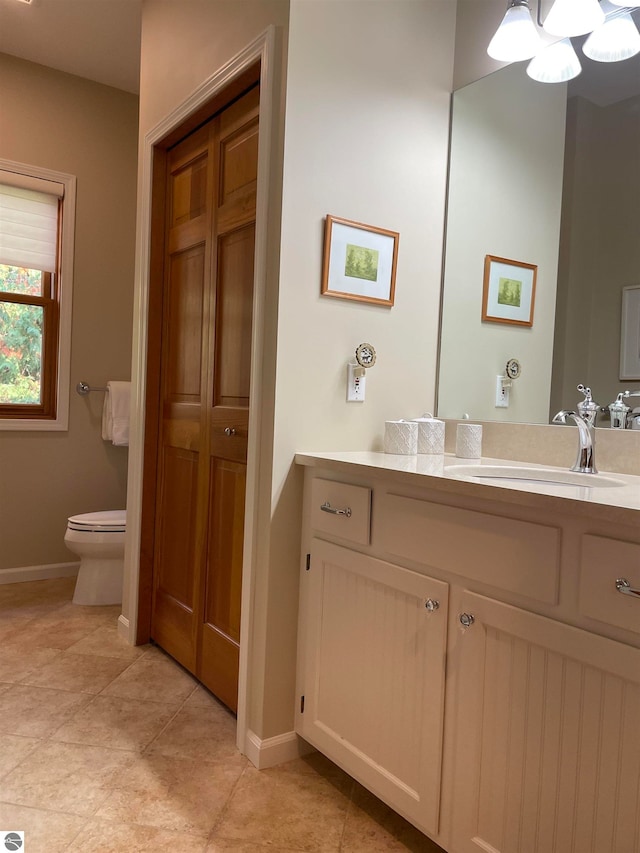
(623, 586)
(467, 620)
(229, 431)
(431, 604)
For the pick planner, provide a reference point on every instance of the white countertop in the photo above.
(617, 503)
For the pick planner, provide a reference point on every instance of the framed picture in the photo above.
(509, 291)
(359, 261)
(630, 334)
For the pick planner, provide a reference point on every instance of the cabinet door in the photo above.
(547, 750)
(373, 675)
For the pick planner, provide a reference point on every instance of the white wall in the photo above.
(505, 193)
(366, 139)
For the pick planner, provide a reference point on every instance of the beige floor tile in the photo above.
(372, 827)
(45, 832)
(153, 678)
(103, 837)
(37, 711)
(106, 642)
(77, 673)
(65, 777)
(18, 661)
(226, 845)
(116, 723)
(286, 808)
(205, 733)
(202, 698)
(13, 749)
(172, 793)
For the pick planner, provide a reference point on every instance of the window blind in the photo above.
(28, 227)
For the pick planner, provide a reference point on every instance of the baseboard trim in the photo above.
(39, 573)
(123, 628)
(275, 750)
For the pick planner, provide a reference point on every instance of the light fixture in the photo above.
(557, 63)
(629, 4)
(573, 17)
(617, 39)
(516, 38)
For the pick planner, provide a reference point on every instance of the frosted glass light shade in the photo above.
(618, 38)
(630, 4)
(555, 64)
(516, 38)
(573, 17)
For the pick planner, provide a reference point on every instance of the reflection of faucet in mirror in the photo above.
(620, 414)
(585, 420)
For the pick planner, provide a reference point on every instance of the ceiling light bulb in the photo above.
(573, 17)
(557, 63)
(516, 38)
(617, 39)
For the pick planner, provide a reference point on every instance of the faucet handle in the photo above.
(587, 408)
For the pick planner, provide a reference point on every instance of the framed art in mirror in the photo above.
(359, 262)
(630, 334)
(509, 291)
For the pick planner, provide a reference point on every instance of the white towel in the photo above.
(115, 413)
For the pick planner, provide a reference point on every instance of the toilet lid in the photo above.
(112, 521)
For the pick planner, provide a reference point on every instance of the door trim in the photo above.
(263, 50)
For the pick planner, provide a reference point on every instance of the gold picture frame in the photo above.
(509, 291)
(359, 262)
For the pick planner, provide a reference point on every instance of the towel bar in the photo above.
(83, 388)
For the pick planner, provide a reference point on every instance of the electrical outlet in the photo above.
(356, 383)
(502, 394)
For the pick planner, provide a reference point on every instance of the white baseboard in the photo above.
(275, 750)
(39, 573)
(123, 628)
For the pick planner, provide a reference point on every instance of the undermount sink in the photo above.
(534, 475)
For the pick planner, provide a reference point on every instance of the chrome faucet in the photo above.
(585, 420)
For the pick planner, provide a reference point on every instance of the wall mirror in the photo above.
(546, 175)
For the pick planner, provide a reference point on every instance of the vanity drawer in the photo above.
(603, 562)
(341, 510)
(519, 556)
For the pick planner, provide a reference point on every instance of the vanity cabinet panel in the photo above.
(603, 562)
(519, 556)
(374, 638)
(547, 754)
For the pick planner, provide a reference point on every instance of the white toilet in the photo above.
(98, 539)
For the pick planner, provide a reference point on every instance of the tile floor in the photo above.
(106, 747)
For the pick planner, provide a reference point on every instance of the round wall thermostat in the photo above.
(365, 355)
(513, 368)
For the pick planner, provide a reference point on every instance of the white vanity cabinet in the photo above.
(547, 743)
(473, 663)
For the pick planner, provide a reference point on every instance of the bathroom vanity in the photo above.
(467, 651)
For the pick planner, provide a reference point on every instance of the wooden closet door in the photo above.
(206, 365)
(236, 162)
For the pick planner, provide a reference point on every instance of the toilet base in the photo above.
(99, 582)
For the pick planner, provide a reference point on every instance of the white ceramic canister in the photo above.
(469, 441)
(401, 437)
(430, 434)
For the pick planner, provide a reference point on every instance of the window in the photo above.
(36, 257)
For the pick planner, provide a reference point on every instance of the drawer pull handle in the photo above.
(467, 619)
(326, 507)
(432, 604)
(229, 431)
(623, 586)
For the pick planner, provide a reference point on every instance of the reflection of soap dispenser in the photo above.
(618, 412)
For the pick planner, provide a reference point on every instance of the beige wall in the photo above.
(507, 157)
(366, 131)
(64, 123)
(601, 250)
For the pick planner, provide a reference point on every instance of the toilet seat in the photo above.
(111, 521)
